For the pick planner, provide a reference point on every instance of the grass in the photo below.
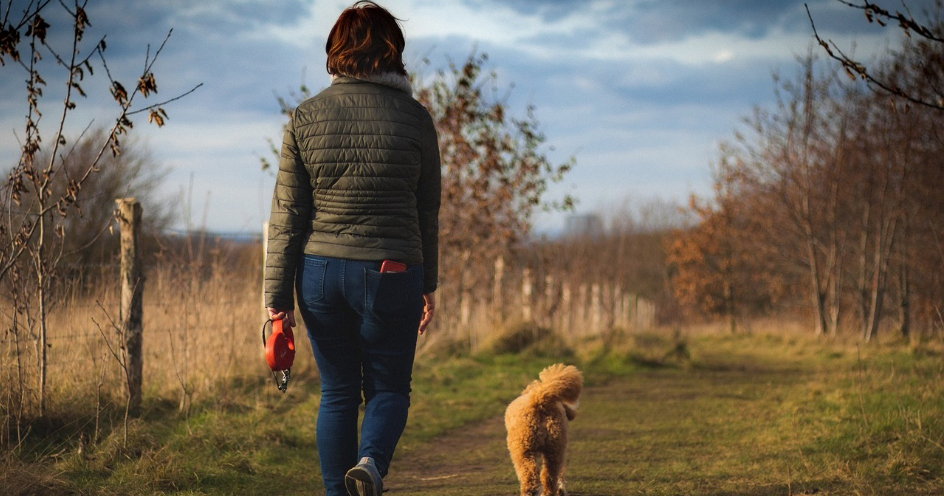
(713, 414)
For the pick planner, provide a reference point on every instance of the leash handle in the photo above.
(276, 327)
(279, 351)
(264, 324)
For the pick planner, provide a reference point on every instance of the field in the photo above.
(696, 412)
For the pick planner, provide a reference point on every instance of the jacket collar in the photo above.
(391, 79)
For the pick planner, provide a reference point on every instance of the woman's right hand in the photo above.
(287, 316)
(429, 309)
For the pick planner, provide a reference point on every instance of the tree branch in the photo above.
(156, 105)
(855, 69)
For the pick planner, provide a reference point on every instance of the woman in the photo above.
(354, 229)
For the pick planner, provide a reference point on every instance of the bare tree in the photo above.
(841, 193)
(494, 171)
(794, 167)
(33, 226)
(133, 173)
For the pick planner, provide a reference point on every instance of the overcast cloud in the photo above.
(639, 92)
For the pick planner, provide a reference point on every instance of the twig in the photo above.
(108, 342)
(151, 107)
(185, 398)
(854, 68)
(873, 13)
(122, 362)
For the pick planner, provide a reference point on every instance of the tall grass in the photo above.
(202, 324)
(202, 321)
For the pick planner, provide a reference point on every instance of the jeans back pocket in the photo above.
(394, 294)
(310, 280)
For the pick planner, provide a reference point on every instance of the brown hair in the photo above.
(365, 40)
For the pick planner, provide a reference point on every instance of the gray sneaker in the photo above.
(364, 479)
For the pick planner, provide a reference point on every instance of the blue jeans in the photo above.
(363, 326)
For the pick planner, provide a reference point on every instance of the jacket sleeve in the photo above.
(289, 223)
(428, 197)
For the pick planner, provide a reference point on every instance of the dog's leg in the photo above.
(551, 473)
(526, 468)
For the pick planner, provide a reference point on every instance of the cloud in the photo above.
(640, 91)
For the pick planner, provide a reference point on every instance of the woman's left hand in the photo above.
(289, 316)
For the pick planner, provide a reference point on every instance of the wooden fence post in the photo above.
(465, 317)
(582, 313)
(497, 296)
(132, 289)
(549, 306)
(526, 301)
(567, 310)
(596, 309)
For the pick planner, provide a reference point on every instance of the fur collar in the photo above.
(391, 79)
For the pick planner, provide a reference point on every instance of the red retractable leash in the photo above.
(279, 351)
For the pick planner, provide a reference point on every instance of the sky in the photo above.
(639, 92)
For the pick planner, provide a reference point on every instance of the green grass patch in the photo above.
(663, 414)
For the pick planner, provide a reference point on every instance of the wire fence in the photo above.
(201, 323)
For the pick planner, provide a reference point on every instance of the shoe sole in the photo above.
(359, 482)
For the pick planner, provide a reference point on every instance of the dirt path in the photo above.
(658, 432)
(474, 460)
(466, 458)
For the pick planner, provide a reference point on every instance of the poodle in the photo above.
(536, 423)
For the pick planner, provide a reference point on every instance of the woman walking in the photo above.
(354, 231)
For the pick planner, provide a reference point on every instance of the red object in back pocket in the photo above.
(391, 266)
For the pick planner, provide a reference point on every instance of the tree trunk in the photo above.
(876, 300)
(835, 305)
(41, 283)
(819, 297)
(728, 294)
(904, 301)
(863, 280)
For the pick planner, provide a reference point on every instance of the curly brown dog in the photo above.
(537, 427)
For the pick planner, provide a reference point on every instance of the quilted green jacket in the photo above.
(359, 178)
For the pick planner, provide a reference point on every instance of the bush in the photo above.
(526, 338)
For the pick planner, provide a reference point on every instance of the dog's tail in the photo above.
(558, 383)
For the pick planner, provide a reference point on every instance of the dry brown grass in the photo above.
(202, 336)
(201, 329)
(19, 479)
